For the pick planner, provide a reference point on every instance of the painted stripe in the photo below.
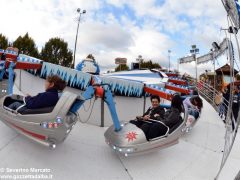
(162, 94)
(137, 75)
(178, 89)
(175, 81)
(39, 136)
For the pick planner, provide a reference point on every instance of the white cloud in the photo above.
(107, 37)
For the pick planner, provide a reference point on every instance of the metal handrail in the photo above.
(209, 94)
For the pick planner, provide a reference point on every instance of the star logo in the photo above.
(131, 136)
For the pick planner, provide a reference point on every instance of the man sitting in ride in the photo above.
(193, 105)
(170, 119)
(154, 112)
(53, 85)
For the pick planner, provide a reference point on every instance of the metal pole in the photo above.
(144, 103)
(178, 65)
(102, 113)
(214, 82)
(73, 64)
(169, 51)
(20, 80)
(10, 78)
(196, 65)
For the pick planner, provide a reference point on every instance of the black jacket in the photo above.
(45, 99)
(155, 111)
(171, 117)
(226, 96)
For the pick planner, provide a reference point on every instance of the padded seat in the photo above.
(176, 125)
(25, 111)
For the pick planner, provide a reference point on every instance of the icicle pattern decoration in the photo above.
(124, 87)
(25, 58)
(176, 78)
(10, 52)
(73, 77)
(176, 85)
(167, 91)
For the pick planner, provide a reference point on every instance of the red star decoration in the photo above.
(131, 136)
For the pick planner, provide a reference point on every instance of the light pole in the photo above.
(79, 18)
(169, 52)
(195, 51)
(140, 60)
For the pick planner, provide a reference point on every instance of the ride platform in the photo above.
(85, 155)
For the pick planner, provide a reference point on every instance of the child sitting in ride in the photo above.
(193, 105)
(170, 119)
(53, 85)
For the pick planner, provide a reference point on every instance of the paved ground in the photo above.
(84, 155)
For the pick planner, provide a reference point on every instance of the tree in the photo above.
(149, 65)
(26, 45)
(3, 42)
(122, 67)
(56, 51)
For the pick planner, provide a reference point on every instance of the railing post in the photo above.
(10, 78)
(144, 103)
(102, 112)
(20, 80)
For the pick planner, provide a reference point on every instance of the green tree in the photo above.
(149, 65)
(26, 45)
(3, 42)
(122, 67)
(56, 51)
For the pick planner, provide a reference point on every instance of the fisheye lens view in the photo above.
(120, 90)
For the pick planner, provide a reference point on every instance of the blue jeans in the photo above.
(15, 105)
(193, 113)
(221, 109)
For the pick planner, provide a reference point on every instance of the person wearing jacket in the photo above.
(193, 105)
(226, 97)
(153, 112)
(170, 119)
(53, 85)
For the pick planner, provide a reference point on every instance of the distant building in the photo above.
(222, 77)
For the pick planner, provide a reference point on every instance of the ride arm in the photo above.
(10, 77)
(111, 106)
(2, 70)
(88, 94)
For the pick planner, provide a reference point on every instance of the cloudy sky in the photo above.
(120, 28)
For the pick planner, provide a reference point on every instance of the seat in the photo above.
(11, 99)
(176, 125)
(25, 111)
